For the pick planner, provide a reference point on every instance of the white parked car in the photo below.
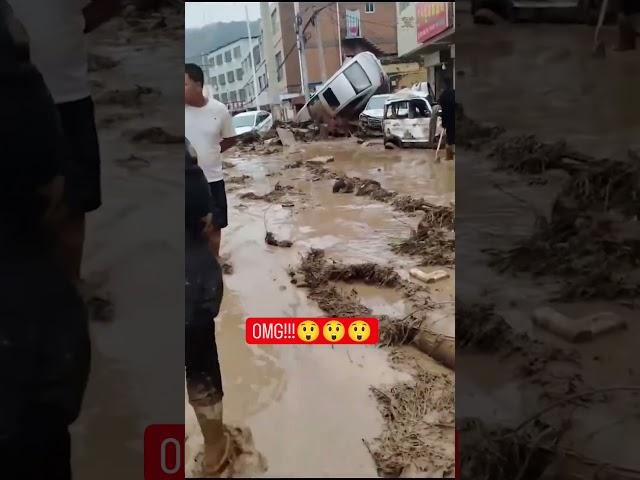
(253, 121)
(371, 117)
(411, 121)
(347, 92)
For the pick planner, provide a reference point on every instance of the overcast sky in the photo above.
(198, 14)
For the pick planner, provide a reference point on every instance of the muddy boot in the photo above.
(217, 444)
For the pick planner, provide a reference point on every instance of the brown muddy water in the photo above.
(565, 94)
(310, 407)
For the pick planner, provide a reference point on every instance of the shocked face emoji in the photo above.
(359, 331)
(333, 331)
(308, 331)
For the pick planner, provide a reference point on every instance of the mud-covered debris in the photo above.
(433, 240)
(156, 135)
(249, 138)
(320, 160)
(592, 239)
(479, 328)
(127, 97)
(274, 196)
(318, 271)
(240, 180)
(418, 428)
(527, 154)
(397, 331)
(117, 117)
(344, 185)
(226, 164)
(499, 453)
(132, 162)
(270, 239)
(320, 171)
(296, 164)
(98, 62)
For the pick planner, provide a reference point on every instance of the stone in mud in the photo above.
(320, 160)
(156, 135)
(270, 239)
(430, 277)
(286, 137)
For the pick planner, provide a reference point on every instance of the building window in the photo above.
(236, 52)
(239, 74)
(216, 97)
(265, 81)
(214, 81)
(260, 82)
(230, 77)
(243, 95)
(256, 55)
(227, 56)
(233, 96)
(274, 22)
(279, 65)
(370, 7)
(221, 79)
(223, 98)
(219, 59)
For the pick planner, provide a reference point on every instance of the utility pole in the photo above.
(269, 58)
(323, 63)
(339, 32)
(303, 59)
(253, 60)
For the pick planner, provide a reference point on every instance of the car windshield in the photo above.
(243, 120)
(376, 103)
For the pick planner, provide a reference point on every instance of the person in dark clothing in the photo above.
(447, 103)
(203, 296)
(44, 338)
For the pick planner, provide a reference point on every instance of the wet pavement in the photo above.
(309, 407)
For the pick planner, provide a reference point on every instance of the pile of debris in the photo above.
(593, 236)
(527, 154)
(265, 144)
(434, 243)
(419, 423)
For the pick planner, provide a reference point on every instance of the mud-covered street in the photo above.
(546, 204)
(308, 406)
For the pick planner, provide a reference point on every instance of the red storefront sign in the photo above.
(432, 18)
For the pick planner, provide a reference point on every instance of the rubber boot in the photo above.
(217, 444)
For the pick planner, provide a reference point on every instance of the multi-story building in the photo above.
(426, 30)
(230, 73)
(345, 29)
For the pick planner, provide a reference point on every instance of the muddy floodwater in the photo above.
(310, 407)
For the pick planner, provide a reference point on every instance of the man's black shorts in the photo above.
(219, 204)
(82, 155)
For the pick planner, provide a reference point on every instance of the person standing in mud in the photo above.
(57, 32)
(203, 296)
(447, 102)
(44, 338)
(209, 128)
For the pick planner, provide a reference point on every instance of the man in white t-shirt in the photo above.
(57, 44)
(209, 128)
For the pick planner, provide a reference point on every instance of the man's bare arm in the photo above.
(99, 12)
(227, 143)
